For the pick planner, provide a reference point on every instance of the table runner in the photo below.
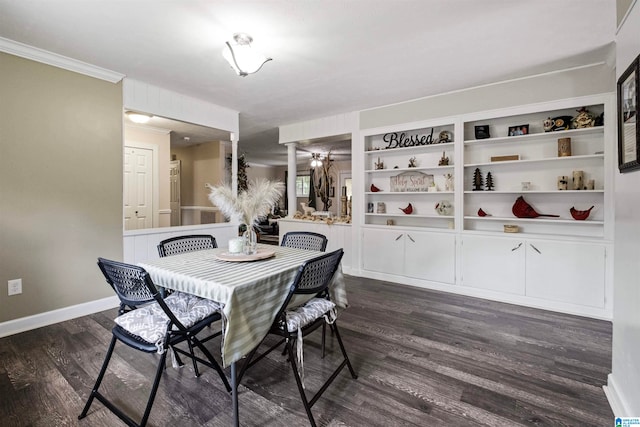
(252, 292)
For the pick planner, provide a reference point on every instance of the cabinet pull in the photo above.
(411, 238)
(398, 238)
(517, 247)
(535, 249)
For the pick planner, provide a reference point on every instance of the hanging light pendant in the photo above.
(242, 58)
(315, 160)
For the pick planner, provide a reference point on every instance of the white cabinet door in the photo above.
(566, 271)
(492, 263)
(383, 250)
(430, 256)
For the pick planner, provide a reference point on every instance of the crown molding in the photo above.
(53, 59)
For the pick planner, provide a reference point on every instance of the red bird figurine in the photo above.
(482, 213)
(407, 210)
(374, 189)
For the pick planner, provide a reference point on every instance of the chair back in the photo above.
(131, 283)
(305, 240)
(314, 276)
(181, 244)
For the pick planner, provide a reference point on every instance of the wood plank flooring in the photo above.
(424, 358)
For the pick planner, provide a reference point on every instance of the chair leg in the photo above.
(334, 328)
(193, 358)
(154, 389)
(211, 360)
(303, 396)
(99, 380)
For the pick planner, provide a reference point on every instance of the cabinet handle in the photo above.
(411, 238)
(517, 247)
(398, 238)
(535, 249)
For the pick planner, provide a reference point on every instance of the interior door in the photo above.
(174, 192)
(138, 185)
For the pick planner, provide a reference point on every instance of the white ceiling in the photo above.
(329, 56)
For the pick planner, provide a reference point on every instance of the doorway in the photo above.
(138, 188)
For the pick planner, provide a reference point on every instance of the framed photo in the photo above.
(482, 132)
(518, 130)
(628, 130)
(332, 192)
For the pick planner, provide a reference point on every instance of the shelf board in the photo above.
(388, 193)
(542, 219)
(570, 132)
(429, 147)
(549, 159)
(409, 227)
(432, 168)
(533, 192)
(400, 215)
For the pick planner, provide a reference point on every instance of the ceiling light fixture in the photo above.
(315, 160)
(242, 58)
(138, 117)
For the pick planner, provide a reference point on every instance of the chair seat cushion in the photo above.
(303, 315)
(150, 322)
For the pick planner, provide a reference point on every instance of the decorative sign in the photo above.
(411, 181)
(399, 140)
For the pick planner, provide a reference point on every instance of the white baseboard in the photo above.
(616, 400)
(28, 323)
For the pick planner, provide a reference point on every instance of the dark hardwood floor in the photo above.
(424, 358)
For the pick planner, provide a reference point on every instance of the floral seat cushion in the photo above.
(150, 322)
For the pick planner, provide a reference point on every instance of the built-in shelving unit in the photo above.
(384, 160)
(559, 263)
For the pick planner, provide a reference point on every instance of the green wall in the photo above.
(60, 185)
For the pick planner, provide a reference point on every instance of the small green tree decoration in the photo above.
(477, 180)
(489, 182)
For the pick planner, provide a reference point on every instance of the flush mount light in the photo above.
(315, 160)
(138, 117)
(242, 58)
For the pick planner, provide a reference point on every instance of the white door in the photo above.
(138, 185)
(383, 251)
(566, 271)
(174, 192)
(430, 256)
(493, 263)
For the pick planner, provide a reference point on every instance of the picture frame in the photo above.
(482, 132)
(332, 192)
(518, 130)
(628, 127)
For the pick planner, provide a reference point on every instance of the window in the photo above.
(302, 185)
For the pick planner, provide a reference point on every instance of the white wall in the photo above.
(623, 388)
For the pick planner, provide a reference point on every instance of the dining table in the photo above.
(251, 290)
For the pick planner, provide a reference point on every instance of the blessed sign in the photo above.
(411, 181)
(398, 140)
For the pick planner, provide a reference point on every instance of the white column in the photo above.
(234, 163)
(291, 180)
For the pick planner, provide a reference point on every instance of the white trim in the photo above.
(616, 400)
(28, 323)
(35, 54)
(451, 92)
(626, 15)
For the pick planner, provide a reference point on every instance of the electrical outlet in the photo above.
(15, 287)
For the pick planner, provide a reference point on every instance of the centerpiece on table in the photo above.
(247, 207)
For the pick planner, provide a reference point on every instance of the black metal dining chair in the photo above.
(152, 324)
(293, 324)
(181, 244)
(305, 240)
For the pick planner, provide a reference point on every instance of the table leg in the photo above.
(234, 395)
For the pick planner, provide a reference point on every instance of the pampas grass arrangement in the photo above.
(250, 205)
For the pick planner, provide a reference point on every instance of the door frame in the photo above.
(155, 192)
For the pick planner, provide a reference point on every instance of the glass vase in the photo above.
(250, 240)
